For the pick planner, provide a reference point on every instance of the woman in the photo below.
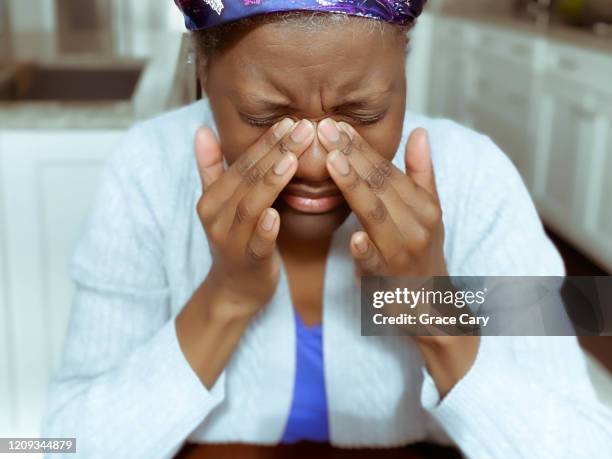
(216, 299)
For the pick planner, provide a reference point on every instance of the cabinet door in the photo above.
(503, 112)
(600, 225)
(48, 182)
(568, 132)
(448, 69)
(499, 93)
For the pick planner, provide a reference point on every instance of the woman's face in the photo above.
(348, 72)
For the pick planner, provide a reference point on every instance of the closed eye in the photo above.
(260, 122)
(367, 119)
(351, 118)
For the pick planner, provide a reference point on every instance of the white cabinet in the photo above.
(599, 225)
(501, 92)
(567, 139)
(548, 106)
(575, 146)
(47, 184)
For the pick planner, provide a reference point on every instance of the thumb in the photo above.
(419, 165)
(208, 156)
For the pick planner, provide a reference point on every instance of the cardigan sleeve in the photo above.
(124, 388)
(524, 397)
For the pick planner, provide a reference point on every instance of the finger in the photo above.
(406, 200)
(419, 165)
(263, 240)
(380, 173)
(225, 185)
(208, 157)
(357, 144)
(375, 170)
(368, 207)
(262, 196)
(367, 258)
(296, 141)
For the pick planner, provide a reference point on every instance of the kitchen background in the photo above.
(75, 74)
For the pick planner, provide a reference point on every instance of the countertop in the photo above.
(164, 55)
(555, 32)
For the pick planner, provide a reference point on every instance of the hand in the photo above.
(236, 215)
(404, 231)
(400, 212)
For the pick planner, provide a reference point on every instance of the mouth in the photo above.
(311, 199)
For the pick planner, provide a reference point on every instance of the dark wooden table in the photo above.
(311, 450)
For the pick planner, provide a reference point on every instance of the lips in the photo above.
(312, 199)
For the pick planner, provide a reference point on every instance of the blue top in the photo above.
(308, 415)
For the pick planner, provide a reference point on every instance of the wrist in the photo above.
(220, 308)
(448, 359)
(208, 332)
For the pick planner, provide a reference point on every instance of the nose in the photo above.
(312, 163)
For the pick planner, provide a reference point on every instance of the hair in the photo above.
(209, 42)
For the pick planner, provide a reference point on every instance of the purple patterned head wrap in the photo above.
(202, 14)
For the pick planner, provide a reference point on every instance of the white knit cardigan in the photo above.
(126, 390)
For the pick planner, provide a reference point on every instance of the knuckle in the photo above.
(378, 213)
(254, 255)
(244, 164)
(376, 181)
(420, 239)
(283, 147)
(253, 175)
(385, 168)
(204, 210)
(243, 212)
(201, 207)
(432, 214)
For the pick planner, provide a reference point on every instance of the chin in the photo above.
(305, 226)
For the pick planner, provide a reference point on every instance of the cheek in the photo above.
(385, 136)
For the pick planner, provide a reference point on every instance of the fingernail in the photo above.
(301, 131)
(329, 130)
(268, 221)
(347, 128)
(361, 244)
(285, 163)
(282, 127)
(340, 163)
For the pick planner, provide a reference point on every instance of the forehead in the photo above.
(288, 60)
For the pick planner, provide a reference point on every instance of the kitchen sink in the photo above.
(69, 82)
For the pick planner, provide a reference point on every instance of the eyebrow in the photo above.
(360, 100)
